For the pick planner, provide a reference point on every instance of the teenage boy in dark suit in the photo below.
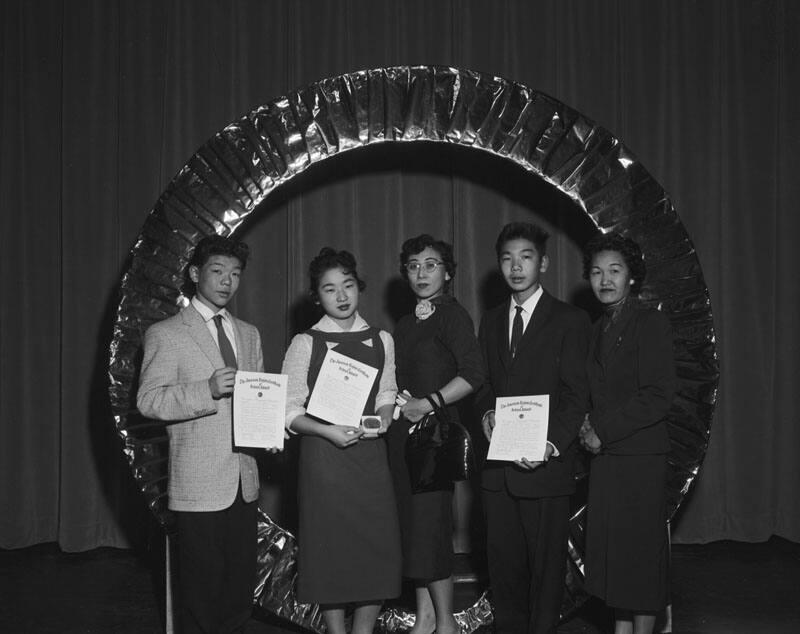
(532, 344)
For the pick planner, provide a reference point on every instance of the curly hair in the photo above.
(416, 245)
(627, 248)
(522, 231)
(328, 259)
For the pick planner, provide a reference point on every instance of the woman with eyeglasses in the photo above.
(438, 362)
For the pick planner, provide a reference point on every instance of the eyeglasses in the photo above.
(429, 266)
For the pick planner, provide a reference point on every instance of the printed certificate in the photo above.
(259, 409)
(341, 390)
(520, 428)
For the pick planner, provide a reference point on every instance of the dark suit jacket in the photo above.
(632, 386)
(550, 360)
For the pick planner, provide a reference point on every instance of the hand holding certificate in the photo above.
(259, 409)
(341, 390)
(520, 430)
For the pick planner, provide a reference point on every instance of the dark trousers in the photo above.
(527, 552)
(217, 568)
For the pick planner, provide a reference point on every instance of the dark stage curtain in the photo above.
(102, 103)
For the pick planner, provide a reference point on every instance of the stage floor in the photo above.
(719, 588)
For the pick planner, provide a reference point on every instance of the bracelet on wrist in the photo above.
(431, 401)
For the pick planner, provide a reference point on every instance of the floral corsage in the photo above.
(424, 309)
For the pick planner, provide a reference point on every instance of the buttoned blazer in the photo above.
(550, 359)
(179, 357)
(632, 386)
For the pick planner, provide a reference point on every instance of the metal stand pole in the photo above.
(169, 625)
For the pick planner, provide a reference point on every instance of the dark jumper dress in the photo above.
(349, 539)
(429, 354)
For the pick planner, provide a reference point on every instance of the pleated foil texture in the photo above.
(276, 580)
(233, 172)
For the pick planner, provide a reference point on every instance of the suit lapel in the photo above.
(626, 321)
(198, 331)
(241, 360)
(595, 342)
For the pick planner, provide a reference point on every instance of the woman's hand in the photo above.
(590, 441)
(585, 426)
(342, 436)
(415, 408)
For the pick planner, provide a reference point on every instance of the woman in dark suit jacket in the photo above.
(632, 381)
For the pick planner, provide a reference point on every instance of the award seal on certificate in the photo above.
(520, 428)
(259, 409)
(341, 391)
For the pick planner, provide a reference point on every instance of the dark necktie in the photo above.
(225, 346)
(516, 331)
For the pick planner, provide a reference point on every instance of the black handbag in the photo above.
(438, 452)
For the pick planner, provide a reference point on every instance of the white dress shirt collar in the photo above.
(206, 313)
(326, 324)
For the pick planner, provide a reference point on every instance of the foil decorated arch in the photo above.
(239, 167)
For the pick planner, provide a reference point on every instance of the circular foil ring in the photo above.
(231, 175)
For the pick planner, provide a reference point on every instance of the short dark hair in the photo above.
(219, 245)
(328, 259)
(630, 251)
(412, 246)
(209, 246)
(522, 231)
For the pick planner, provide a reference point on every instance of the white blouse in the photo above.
(298, 358)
